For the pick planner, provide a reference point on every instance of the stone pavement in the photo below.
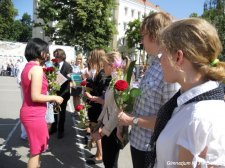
(68, 152)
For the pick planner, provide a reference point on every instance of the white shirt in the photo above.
(194, 126)
(60, 65)
(20, 69)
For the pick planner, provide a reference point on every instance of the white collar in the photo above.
(195, 91)
(60, 64)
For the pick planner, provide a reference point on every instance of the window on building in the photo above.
(124, 26)
(132, 13)
(125, 11)
(139, 15)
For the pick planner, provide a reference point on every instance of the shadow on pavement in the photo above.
(62, 153)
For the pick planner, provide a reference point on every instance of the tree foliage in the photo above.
(25, 28)
(7, 15)
(193, 15)
(87, 23)
(214, 11)
(11, 29)
(133, 36)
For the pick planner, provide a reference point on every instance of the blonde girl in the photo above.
(98, 84)
(77, 74)
(195, 132)
(108, 116)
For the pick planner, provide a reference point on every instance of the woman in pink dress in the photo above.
(32, 113)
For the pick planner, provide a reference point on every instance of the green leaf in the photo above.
(125, 96)
(135, 92)
(129, 72)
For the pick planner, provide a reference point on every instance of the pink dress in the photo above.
(32, 114)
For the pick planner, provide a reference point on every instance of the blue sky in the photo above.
(23, 6)
(178, 8)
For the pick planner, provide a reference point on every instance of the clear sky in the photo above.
(178, 8)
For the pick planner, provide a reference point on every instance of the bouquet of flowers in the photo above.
(82, 108)
(124, 95)
(53, 86)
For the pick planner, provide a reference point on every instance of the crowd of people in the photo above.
(10, 68)
(178, 117)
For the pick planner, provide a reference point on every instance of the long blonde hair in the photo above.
(79, 57)
(95, 59)
(200, 43)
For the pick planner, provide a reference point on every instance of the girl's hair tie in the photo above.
(214, 62)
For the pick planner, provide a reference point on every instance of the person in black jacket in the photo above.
(65, 69)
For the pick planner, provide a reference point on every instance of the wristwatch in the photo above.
(135, 121)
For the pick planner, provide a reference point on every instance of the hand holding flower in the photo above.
(98, 100)
(125, 119)
(88, 95)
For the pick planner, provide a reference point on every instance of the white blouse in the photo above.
(194, 126)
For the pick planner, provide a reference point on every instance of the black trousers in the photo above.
(138, 157)
(110, 150)
(60, 118)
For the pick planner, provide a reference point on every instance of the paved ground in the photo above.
(68, 152)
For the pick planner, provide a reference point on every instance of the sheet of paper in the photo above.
(60, 78)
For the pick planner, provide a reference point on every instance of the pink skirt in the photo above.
(37, 133)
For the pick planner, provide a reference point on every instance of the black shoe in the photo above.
(60, 135)
(93, 161)
(91, 156)
(52, 131)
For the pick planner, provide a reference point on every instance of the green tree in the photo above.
(214, 11)
(133, 36)
(7, 16)
(87, 23)
(193, 15)
(25, 28)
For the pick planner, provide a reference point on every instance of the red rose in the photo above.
(50, 69)
(79, 107)
(45, 70)
(83, 83)
(121, 85)
(55, 60)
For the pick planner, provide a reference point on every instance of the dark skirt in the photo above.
(76, 91)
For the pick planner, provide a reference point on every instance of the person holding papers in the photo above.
(64, 69)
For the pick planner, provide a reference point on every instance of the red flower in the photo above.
(121, 85)
(83, 83)
(45, 70)
(79, 107)
(55, 60)
(50, 69)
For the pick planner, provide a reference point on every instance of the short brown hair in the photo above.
(60, 53)
(154, 23)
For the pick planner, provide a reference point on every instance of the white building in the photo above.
(129, 10)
